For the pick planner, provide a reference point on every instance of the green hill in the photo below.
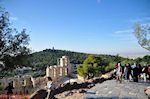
(48, 57)
(40, 60)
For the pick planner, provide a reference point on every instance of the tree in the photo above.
(81, 71)
(142, 33)
(117, 58)
(111, 66)
(138, 60)
(13, 46)
(146, 59)
(126, 61)
(92, 66)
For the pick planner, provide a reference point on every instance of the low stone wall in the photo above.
(20, 84)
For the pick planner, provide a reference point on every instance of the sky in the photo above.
(90, 26)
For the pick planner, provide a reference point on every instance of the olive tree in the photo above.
(142, 33)
(13, 46)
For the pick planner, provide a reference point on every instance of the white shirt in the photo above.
(49, 84)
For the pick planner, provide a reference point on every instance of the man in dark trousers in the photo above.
(136, 73)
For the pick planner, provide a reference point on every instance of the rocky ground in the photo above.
(148, 91)
(74, 94)
(104, 87)
(114, 90)
(79, 90)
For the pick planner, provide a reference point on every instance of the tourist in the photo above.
(133, 66)
(50, 88)
(136, 73)
(46, 93)
(145, 71)
(116, 73)
(127, 72)
(140, 70)
(130, 71)
(148, 72)
(122, 71)
(9, 89)
(119, 73)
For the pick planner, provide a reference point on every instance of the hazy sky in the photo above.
(93, 26)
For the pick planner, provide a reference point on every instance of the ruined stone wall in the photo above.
(39, 83)
(27, 84)
(20, 84)
(59, 71)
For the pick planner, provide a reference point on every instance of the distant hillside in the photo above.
(40, 60)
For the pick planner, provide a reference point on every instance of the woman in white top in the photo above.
(119, 72)
(50, 88)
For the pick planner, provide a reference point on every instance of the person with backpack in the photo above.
(145, 71)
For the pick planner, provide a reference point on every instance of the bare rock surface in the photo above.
(148, 91)
(111, 89)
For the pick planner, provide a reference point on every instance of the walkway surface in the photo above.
(114, 90)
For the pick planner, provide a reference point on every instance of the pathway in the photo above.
(114, 90)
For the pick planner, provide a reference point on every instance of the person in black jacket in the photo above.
(122, 71)
(9, 90)
(129, 71)
(140, 70)
(136, 73)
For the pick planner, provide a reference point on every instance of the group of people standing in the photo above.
(133, 72)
